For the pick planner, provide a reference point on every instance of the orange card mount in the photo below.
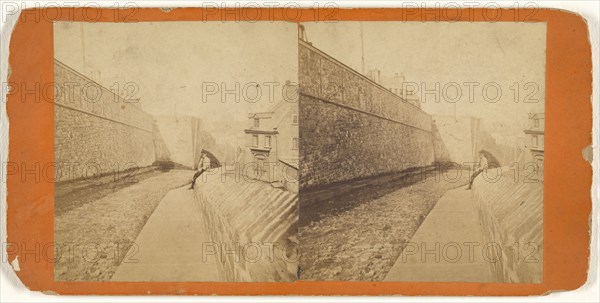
(36, 138)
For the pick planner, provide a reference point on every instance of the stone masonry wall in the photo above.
(456, 139)
(459, 140)
(511, 211)
(351, 127)
(182, 140)
(95, 131)
(252, 228)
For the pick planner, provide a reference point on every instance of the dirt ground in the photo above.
(94, 231)
(358, 235)
(72, 194)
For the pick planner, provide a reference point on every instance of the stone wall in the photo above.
(441, 154)
(182, 140)
(352, 127)
(511, 212)
(253, 228)
(95, 131)
(456, 139)
(459, 140)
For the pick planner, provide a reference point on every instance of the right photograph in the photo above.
(421, 151)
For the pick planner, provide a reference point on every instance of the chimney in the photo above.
(302, 33)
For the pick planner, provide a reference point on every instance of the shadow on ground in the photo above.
(98, 221)
(338, 197)
(355, 231)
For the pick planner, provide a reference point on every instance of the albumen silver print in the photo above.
(283, 151)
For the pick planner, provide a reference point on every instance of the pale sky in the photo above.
(430, 52)
(172, 62)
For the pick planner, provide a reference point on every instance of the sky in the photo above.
(178, 66)
(181, 68)
(465, 57)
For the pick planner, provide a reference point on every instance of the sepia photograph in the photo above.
(422, 148)
(176, 149)
(292, 150)
(346, 151)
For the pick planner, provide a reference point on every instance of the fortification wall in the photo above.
(182, 140)
(352, 127)
(459, 140)
(96, 131)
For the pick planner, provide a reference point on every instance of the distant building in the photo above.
(375, 75)
(394, 84)
(535, 140)
(274, 145)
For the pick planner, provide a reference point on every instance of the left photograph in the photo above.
(176, 151)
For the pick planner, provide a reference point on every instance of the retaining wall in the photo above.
(511, 213)
(182, 140)
(253, 227)
(352, 127)
(96, 131)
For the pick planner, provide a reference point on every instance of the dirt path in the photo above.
(359, 235)
(73, 194)
(91, 240)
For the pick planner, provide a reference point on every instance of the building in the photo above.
(535, 137)
(274, 145)
(394, 84)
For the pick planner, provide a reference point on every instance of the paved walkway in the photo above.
(448, 246)
(169, 247)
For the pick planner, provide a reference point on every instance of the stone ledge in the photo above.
(256, 220)
(511, 213)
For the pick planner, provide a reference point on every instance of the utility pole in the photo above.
(362, 48)
(83, 49)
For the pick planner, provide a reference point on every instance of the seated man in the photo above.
(483, 165)
(203, 165)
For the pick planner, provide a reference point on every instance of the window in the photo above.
(294, 143)
(267, 141)
(257, 123)
(254, 140)
(534, 141)
(294, 119)
(536, 123)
